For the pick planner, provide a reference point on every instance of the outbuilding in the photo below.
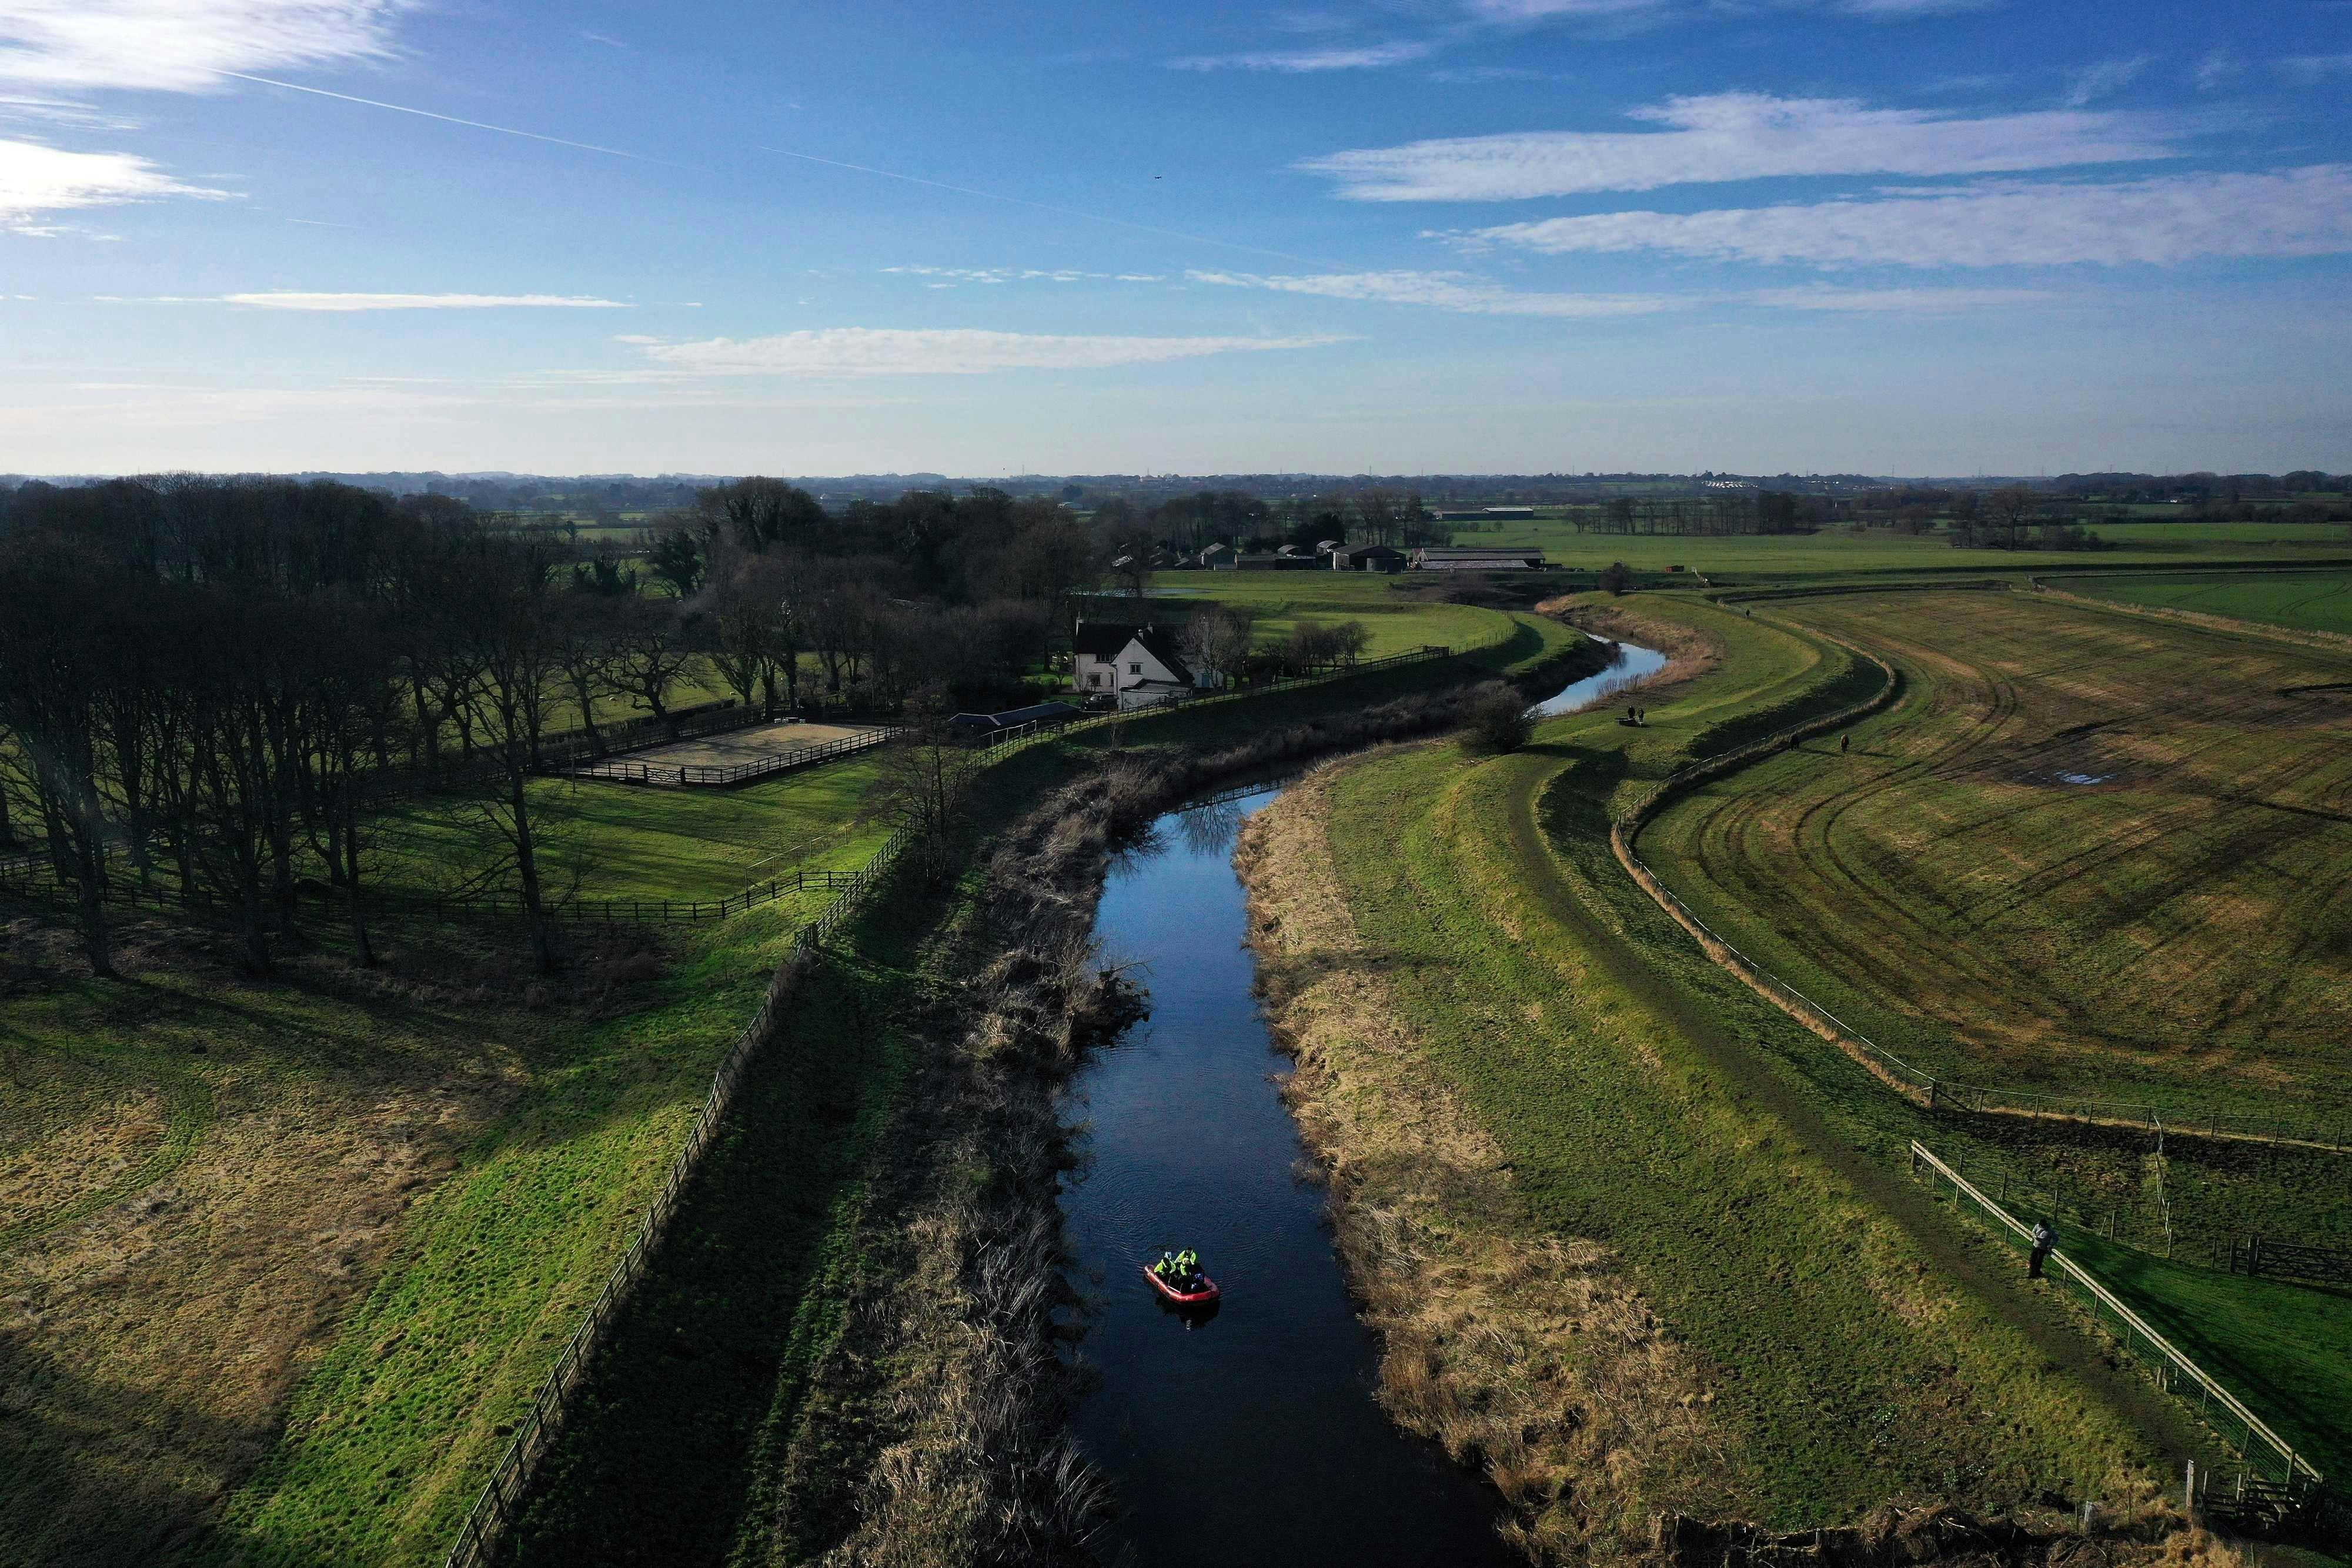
(979, 726)
(1434, 559)
(1368, 558)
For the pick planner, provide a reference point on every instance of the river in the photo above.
(1251, 1436)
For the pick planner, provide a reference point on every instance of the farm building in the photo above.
(1433, 558)
(979, 726)
(1368, 558)
(1217, 558)
(1277, 563)
(1136, 664)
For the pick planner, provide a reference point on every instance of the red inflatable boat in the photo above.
(1201, 1297)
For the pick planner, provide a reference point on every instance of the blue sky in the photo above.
(1891, 236)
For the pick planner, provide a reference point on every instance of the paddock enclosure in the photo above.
(735, 756)
(2084, 851)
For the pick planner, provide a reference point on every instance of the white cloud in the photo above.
(1299, 62)
(291, 300)
(636, 339)
(34, 180)
(2296, 212)
(1448, 291)
(1735, 136)
(1893, 301)
(61, 111)
(181, 45)
(871, 350)
(2103, 79)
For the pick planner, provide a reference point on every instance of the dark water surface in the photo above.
(1251, 1438)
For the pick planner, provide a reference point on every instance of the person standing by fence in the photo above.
(2045, 1239)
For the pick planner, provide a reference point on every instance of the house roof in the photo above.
(1161, 644)
(1368, 552)
(1103, 639)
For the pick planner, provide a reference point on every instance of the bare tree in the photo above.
(921, 790)
(651, 651)
(508, 622)
(2008, 507)
(53, 674)
(1217, 638)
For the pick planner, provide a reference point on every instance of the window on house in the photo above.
(1135, 666)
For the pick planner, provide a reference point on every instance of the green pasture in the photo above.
(2284, 1348)
(605, 839)
(2302, 602)
(1747, 559)
(1398, 623)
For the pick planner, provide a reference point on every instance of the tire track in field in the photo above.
(2150, 906)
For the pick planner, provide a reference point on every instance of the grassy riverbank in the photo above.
(1856, 1346)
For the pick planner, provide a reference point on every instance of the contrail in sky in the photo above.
(452, 120)
(783, 153)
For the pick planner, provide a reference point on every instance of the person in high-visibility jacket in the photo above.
(1188, 1266)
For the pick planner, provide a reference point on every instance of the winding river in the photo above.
(1250, 1436)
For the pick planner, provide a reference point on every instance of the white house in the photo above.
(1137, 665)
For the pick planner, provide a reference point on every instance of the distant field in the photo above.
(1398, 623)
(2082, 855)
(2303, 601)
(1883, 551)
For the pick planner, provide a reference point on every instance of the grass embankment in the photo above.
(372, 1208)
(2086, 855)
(1858, 1347)
(2302, 602)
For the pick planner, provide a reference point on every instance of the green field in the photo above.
(2086, 855)
(1398, 621)
(1844, 552)
(2302, 602)
(1636, 1115)
(609, 840)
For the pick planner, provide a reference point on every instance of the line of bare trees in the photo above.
(221, 676)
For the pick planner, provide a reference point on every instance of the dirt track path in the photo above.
(1753, 1081)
